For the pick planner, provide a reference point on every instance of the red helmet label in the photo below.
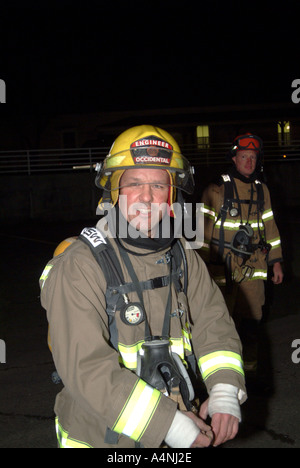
(151, 142)
(151, 150)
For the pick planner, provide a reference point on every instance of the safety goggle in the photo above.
(248, 142)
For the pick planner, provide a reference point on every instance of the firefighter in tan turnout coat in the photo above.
(242, 240)
(127, 313)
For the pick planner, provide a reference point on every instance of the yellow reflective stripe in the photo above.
(187, 337)
(177, 346)
(65, 441)
(138, 411)
(275, 242)
(129, 354)
(235, 225)
(260, 274)
(220, 360)
(256, 225)
(208, 212)
(205, 246)
(45, 274)
(268, 215)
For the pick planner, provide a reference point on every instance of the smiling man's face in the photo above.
(144, 196)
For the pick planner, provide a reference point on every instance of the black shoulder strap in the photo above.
(260, 195)
(227, 202)
(179, 258)
(108, 261)
(101, 247)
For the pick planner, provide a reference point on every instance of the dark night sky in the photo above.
(87, 56)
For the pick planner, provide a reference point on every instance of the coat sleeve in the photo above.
(72, 292)
(214, 337)
(271, 230)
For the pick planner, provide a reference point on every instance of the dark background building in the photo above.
(76, 75)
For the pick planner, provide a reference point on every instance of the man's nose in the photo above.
(146, 195)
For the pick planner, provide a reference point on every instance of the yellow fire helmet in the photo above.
(140, 147)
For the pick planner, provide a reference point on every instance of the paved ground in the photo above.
(271, 416)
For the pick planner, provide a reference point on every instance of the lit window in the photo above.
(202, 136)
(284, 133)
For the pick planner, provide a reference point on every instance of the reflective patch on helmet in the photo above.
(113, 161)
(151, 150)
(151, 141)
(151, 160)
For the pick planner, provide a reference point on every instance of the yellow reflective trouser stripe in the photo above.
(220, 360)
(259, 274)
(138, 411)
(65, 441)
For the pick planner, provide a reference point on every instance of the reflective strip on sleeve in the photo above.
(268, 215)
(65, 441)
(275, 242)
(220, 360)
(45, 274)
(137, 411)
(209, 212)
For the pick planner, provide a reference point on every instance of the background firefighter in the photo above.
(242, 240)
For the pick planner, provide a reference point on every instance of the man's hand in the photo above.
(205, 437)
(277, 273)
(224, 426)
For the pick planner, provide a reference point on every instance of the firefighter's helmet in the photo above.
(142, 147)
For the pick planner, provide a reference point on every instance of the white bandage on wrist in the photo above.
(223, 398)
(182, 432)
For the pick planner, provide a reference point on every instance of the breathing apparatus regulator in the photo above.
(164, 370)
(241, 244)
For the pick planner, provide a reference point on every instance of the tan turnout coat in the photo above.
(101, 389)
